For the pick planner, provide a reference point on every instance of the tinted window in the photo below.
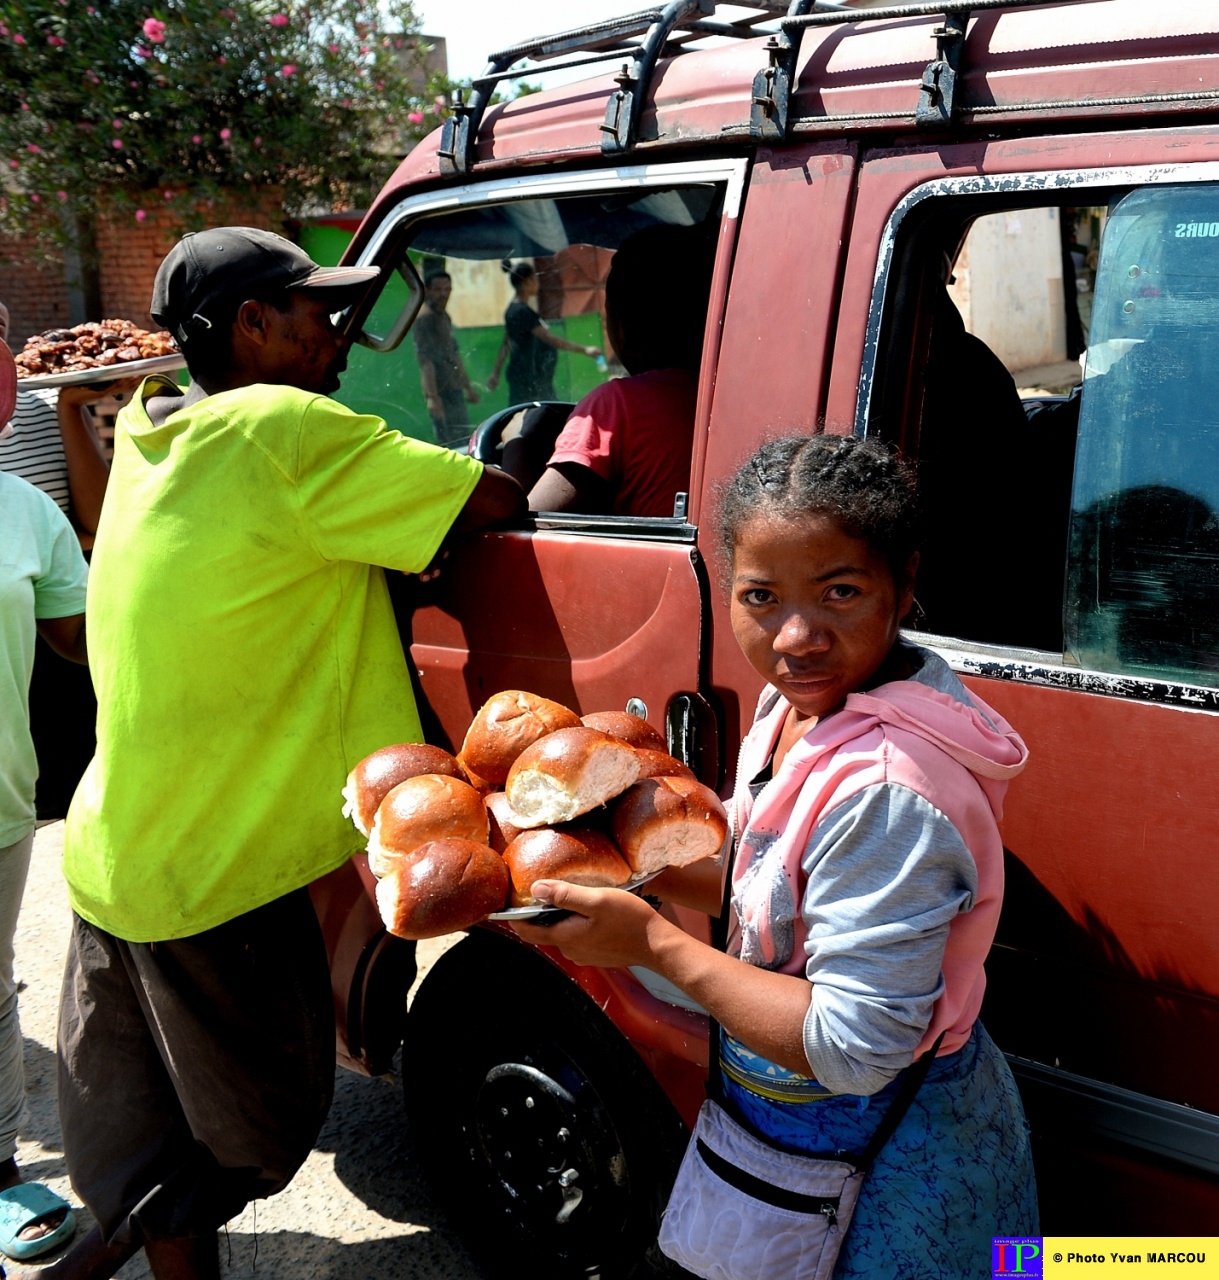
(1143, 578)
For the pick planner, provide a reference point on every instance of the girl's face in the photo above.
(815, 610)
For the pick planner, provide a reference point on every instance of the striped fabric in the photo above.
(35, 449)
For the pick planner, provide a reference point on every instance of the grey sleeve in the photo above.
(887, 874)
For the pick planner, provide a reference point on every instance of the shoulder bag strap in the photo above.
(911, 1084)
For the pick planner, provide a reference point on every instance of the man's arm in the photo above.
(66, 636)
(497, 500)
(88, 470)
(569, 486)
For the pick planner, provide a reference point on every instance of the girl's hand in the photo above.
(611, 928)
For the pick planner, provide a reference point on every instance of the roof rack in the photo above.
(638, 38)
(937, 103)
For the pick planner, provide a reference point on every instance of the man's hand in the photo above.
(471, 395)
(611, 928)
(435, 406)
(77, 397)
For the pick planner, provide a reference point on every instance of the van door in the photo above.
(596, 611)
(1070, 577)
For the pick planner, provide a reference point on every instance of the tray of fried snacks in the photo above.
(535, 793)
(95, 352)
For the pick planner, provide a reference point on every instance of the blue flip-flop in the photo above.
(22, 1206)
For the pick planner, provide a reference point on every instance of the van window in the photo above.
(506, 269)
(1143, 579)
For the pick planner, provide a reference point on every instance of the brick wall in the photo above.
(32, 289)
(129, 251)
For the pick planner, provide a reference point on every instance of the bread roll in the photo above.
(503, 821)
(628, 728)
(429, 807)
(504, 726)
(377, 775)
(568, 773)
(660, 764)
(668, 822)
(578, 854)
(444, 886)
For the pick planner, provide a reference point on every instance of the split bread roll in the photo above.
(629, 728)
(578, 854)
(668, 822)
(567, 773)
(444, 886)
(378, 774)
(504, 726)
(419, 810)
(660, 764)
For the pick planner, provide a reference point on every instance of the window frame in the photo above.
(1002, 662)
(729, 172)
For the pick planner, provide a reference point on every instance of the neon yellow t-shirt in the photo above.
(243, 649)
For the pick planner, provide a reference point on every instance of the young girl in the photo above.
(868, 873)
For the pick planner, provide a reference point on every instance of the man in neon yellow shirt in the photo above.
(245, 657)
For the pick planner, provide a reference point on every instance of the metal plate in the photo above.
(106, 373)
(537, 913)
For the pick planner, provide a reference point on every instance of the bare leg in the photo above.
(90, 1259)
(191, 1258)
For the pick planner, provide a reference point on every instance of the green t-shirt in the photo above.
(42, 575)
(243, 649)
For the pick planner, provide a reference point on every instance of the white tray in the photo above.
(104, 373)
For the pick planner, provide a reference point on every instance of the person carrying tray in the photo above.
(245, 657)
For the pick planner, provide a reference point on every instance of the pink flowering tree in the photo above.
(118, 105)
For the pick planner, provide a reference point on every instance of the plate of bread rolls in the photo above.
(536, 792)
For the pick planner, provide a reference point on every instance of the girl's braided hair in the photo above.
(861, 484)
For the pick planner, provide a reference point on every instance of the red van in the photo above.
(908, 203)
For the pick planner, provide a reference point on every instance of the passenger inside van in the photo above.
(626, 447)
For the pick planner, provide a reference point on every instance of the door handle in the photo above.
(691, 729)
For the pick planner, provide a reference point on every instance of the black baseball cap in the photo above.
(207, 268)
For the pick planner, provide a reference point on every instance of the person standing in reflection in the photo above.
(530, 348)
(446, 385)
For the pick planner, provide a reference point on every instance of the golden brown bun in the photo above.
(578, 854)
(567, 773)
(668, 822)
(504, 726)
(627, 728)
(660, 764)
(429, 807)
(504, 827)
(444, 886)
(377, 775)
(481, 785)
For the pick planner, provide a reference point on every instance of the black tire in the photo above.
(547, 1139)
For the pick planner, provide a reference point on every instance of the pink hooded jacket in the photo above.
(958, 756)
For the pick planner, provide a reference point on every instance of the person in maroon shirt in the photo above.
(626, 447)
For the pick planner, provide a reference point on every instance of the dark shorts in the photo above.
(194, 1075)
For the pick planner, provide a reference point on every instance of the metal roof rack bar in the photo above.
(663, 29)
(937, 101)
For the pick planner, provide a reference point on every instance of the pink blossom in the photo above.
(228, 14)
(56, 41)
(142, 52)
(334, 48)
(118, 124)
(440, 102)
(33, 148)
(25, 106)
(169, 195)
(117, 144)
(37, 199)
(347, 102)
(140, 215)
(225, 134)
(14, 164)
(288, 69)
(258, 142)
(154, 29)
(364, 50)
(19, 38)
(90, 11)
(196, 138)
(415, 117)
(279, 19)
(135, 84)
(3, 29)
(63, 195)
(222, 60)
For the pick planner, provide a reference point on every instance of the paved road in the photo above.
(358, 1210)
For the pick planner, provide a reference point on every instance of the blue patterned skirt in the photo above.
(957, 1171)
